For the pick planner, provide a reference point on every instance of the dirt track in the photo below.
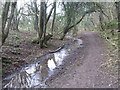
(86, 72)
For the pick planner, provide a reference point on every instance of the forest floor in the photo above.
(84, 72)
(19, 50)
(88, 71)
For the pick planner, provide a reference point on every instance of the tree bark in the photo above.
(53, 18)
(4, 19)
(5, 30)
(118, 13)
(41, 20)
(43, 23)
(36, 17)
(16, 19)
(67, 28)
(101, 20)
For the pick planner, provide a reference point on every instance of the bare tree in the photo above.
(54, 15)
(6, 21)
(118, 13)
(44, 18)
(16, 19)
(36, 27)
(42, 23)
(70, 17)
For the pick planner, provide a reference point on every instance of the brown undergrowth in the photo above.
(19, 50)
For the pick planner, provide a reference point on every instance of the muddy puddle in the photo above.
(35, 75)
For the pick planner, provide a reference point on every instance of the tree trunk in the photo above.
(42, 19)
(5, 30)
(36, 17)
(68, 28)
(101, 20)
(118, 13)
(5, 15)
(4, 20)
(53, 18)
(16, 19)
(64, 33)
(43, 23)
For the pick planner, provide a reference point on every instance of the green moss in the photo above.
(16, 37)
(36, 41)
(6, 60)
(111, 25)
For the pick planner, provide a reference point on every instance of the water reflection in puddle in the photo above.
(35, 75)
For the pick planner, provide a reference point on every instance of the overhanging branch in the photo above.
(49, 14)
(87, 12)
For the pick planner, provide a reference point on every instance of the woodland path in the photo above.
(89, 73)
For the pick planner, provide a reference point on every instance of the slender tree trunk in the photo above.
(17, 24)
(16, 19)
(5, 28)
(101, 20)
(43, 25)
(118, 13)
(42, 19)
(68, 28)
(44, 28)
(5, 14)
(4, 20)
(64, 33)
(53, 18)
(36, 17)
